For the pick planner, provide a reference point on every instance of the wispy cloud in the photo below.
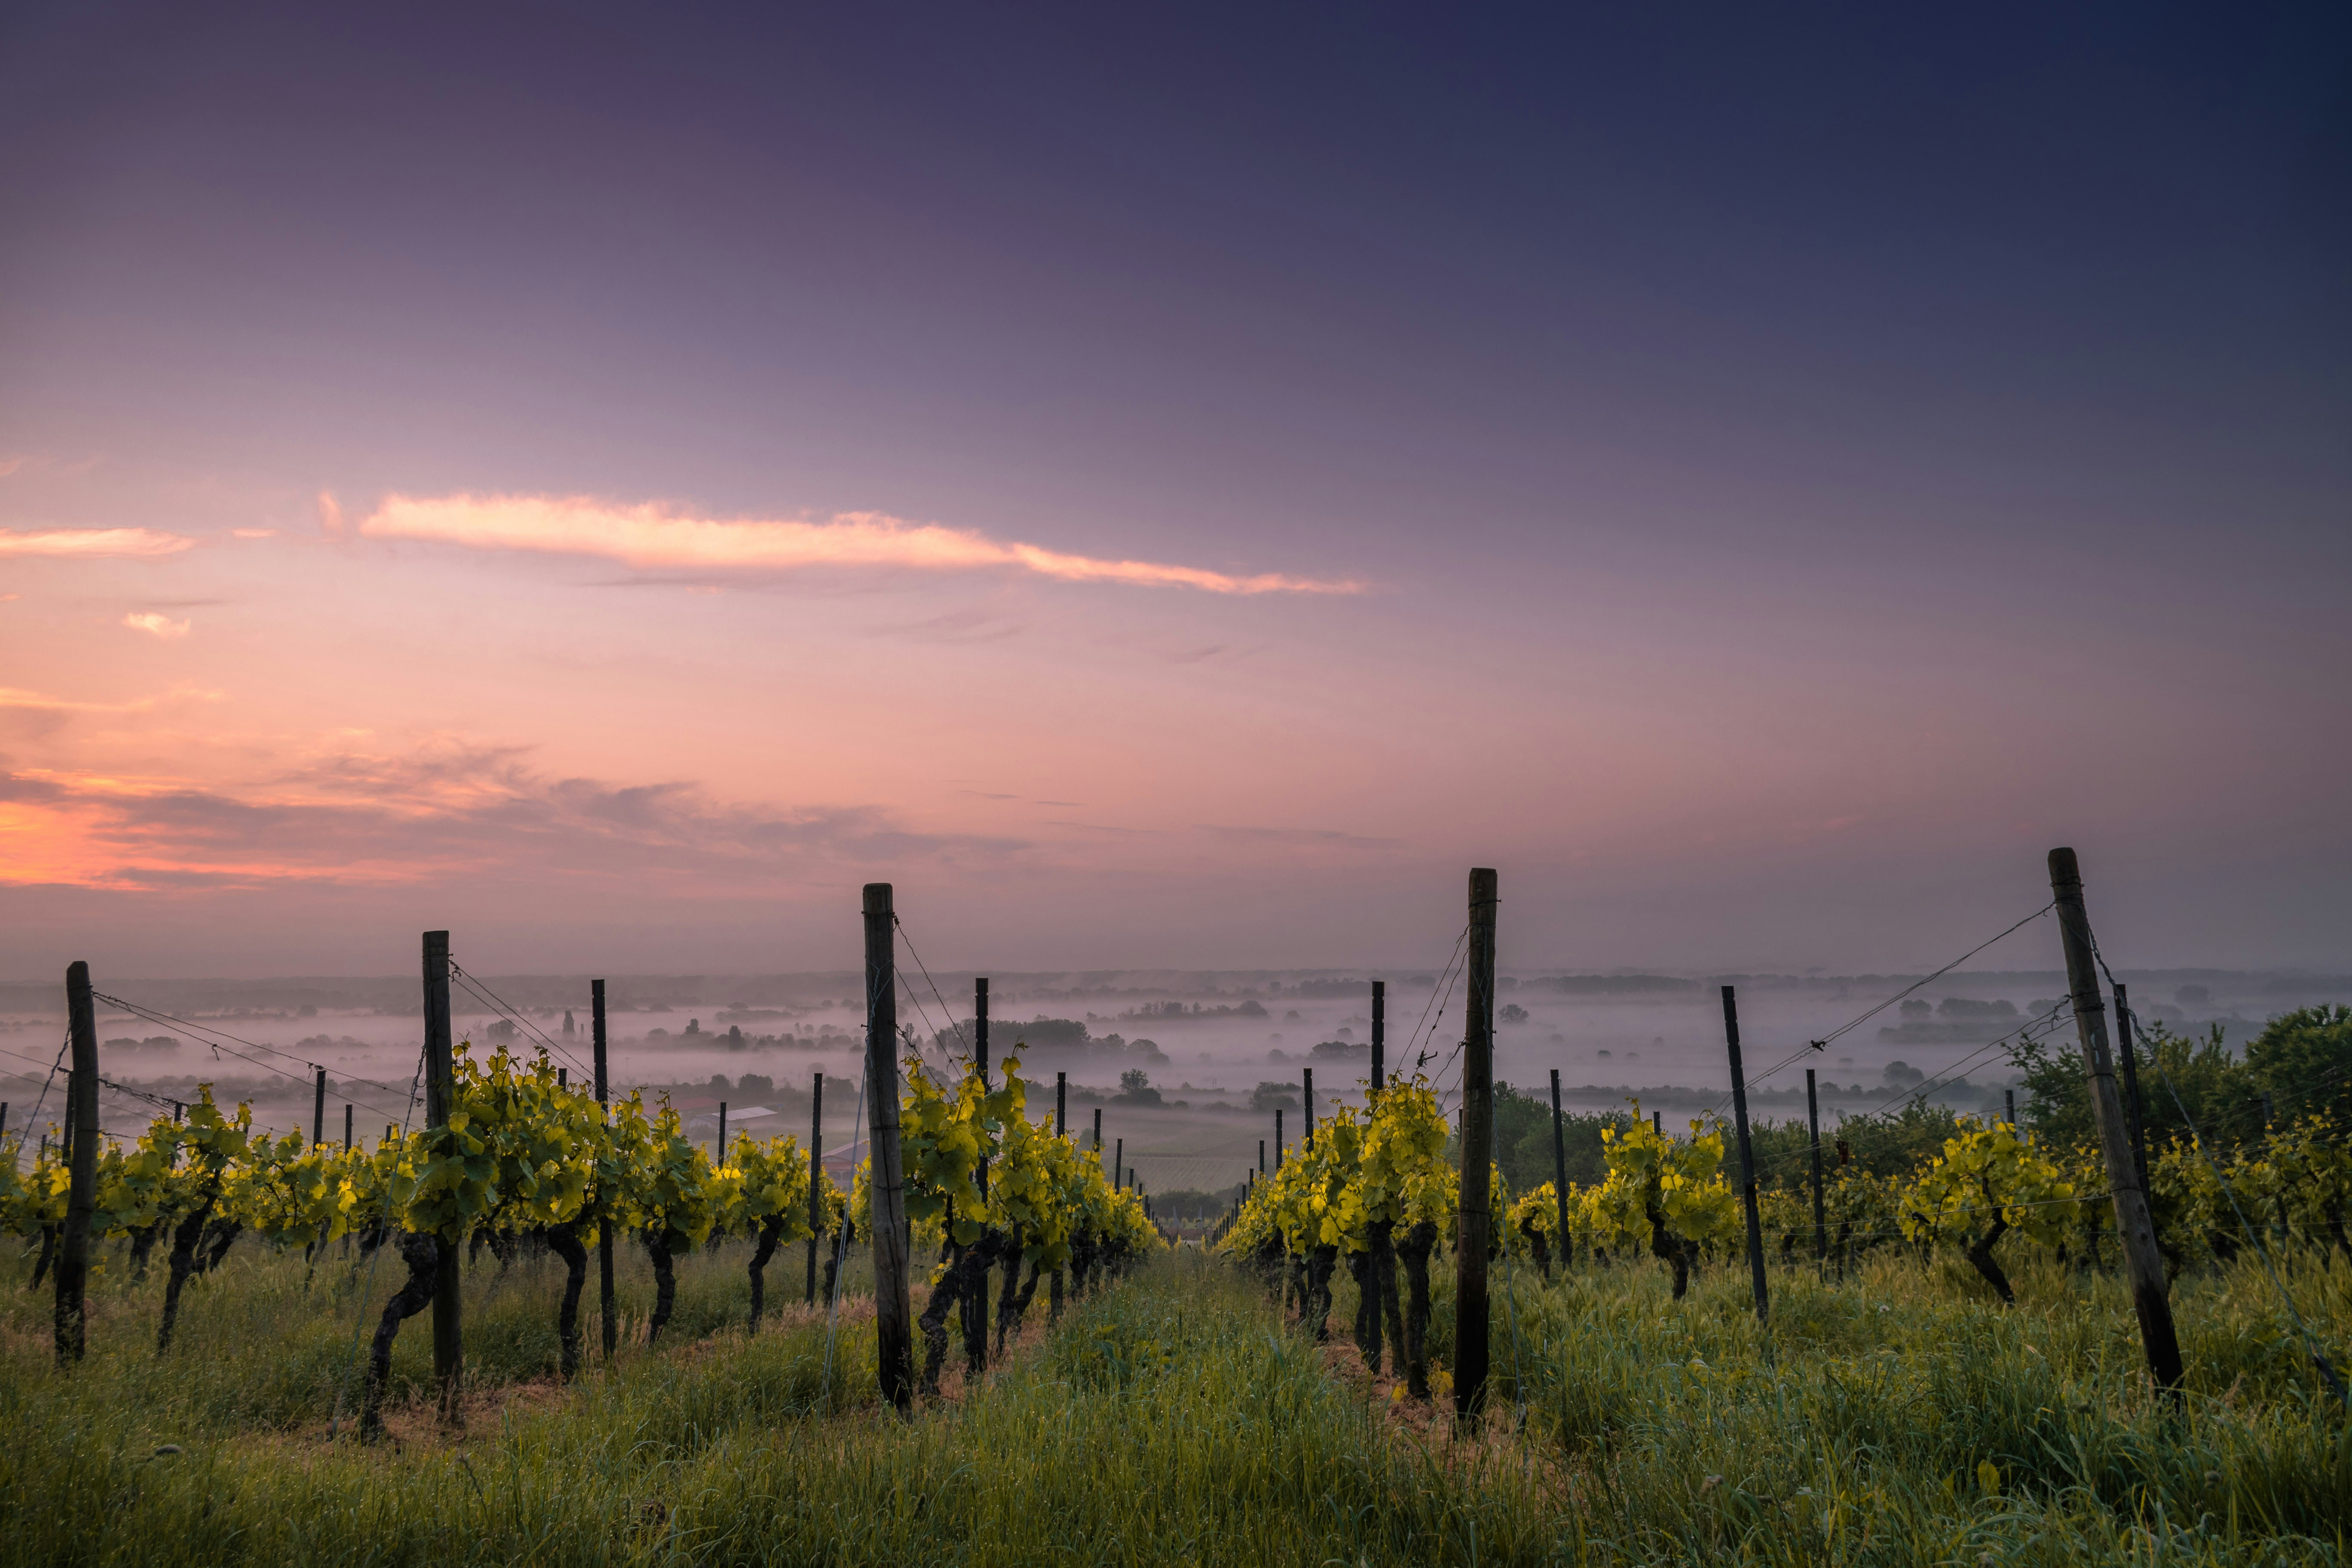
(16, 697)
(955, 626)
(652, 536)
(153, 625)
(1303, 837)
(443, 811)
(131, 543)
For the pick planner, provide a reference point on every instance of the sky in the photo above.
(1170, 487)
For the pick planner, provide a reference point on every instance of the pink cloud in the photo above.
(133, 543)
(653, 536)
(443, 813)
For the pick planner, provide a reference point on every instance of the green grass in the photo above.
(1175, 1419)
(1907, 1411)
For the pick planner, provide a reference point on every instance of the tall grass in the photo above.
(1176, 1419)
(1906, 1409)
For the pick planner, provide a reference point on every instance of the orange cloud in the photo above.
(653, 536)
(134, 544)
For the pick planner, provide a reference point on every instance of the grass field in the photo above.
(1900, 1418)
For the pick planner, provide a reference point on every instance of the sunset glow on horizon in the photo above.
(1157, 508)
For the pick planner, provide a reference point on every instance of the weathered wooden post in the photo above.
(1821, 1212)
(1560, 1171)
(1307, 1093)
(1470, 1313)
(1062, 1109)
(608, 1324)
(1747, 1155)
(347, 1127)
(1380, 1034)
(2123, 1032)
(81, 1161)
(974, 1305)
(893, 1317)
(980, 1027)
(980, 1060)
(817, 1178)
(440, 1097)
(2142, 1262)
(2009, 1103)
(1277, 1138)
(318, 1110)
(1118, 1164)
(1260, 1157)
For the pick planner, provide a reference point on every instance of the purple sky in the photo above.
(1776, 477)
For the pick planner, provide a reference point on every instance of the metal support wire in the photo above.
(481, 992)
(1859, 1019)
(945, 1011)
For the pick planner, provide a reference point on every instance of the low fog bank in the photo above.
(1186, 1066)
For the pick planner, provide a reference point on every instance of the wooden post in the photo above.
(1118, 1164)
(2008, 1101)
(2142, 1261)
(1307, 1093)
(1062, 1109)
(817, 1178)
(608, 1324)
(440, 1095)
(720, 1156)
(893, 1318)
(1657, 1124)
(1277, 1138)
(1098, 1130)
(975, 1308)
(318, 1110)
(1380, 1033)
(347, 1127)
(1559, 1169)
(81, 1160)
(1747, 1154)
(1260, 1157)
(1821, 1212)
(1470, 1313)
(980, 1027)
(2123, 1032)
